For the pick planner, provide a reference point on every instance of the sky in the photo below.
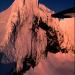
(55, 5)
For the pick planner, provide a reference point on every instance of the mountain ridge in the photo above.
(30, 34)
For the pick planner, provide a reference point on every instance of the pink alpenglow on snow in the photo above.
(38, 43)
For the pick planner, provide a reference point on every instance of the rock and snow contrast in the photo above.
(32, 42)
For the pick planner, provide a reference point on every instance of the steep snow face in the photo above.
(67, 26)
(20, 8)
(22, 33)
(3, 20)
(4, 16)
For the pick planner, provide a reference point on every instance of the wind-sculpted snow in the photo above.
(30, 34)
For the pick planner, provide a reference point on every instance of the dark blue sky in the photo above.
(4, 4)
(56, 5)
